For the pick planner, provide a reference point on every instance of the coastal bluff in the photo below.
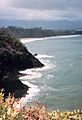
(14, 57)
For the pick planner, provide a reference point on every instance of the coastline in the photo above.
(28, 40)
(14, 57)
(35, 73)
(44, 56)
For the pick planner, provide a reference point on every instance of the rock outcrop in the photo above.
(14, 57)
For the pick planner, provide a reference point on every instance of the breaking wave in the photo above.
(36, 73)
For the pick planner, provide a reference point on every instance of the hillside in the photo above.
(37, 32)
(14, 57)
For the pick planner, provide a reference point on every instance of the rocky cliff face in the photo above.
(14, 57)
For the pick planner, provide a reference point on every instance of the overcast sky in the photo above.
(41, 9)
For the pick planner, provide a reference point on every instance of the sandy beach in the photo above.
(27, 40)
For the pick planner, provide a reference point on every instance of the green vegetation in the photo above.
(10, 111)
(8, 41)
(37, 32)
(14, 57)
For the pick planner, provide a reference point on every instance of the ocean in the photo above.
(58, 85)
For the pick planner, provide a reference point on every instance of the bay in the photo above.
(59, 84)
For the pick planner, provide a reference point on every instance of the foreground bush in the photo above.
(11, 109)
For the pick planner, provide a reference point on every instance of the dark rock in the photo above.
(14, 57)
(18, 60)
(14, 87)
(35, 54)
(12, 84)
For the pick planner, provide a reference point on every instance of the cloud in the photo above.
(47, 4)
(41, 9)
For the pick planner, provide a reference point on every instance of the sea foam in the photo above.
(34, 74)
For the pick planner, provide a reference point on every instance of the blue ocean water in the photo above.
(59, 83)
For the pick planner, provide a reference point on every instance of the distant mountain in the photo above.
(60, 24)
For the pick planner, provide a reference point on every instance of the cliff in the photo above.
(14, 57)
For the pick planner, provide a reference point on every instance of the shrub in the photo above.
(11, 109)
(11, 42)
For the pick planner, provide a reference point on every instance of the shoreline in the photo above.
(28, 40)
(34, 73)
(14, 57)
(46, 53)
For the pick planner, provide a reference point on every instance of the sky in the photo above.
(46, 10)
